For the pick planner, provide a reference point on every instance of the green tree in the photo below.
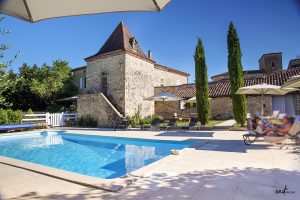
(203, 107)
(4, 81)
(39, 87)
(20, 94)
(235, 70)
(53, 82)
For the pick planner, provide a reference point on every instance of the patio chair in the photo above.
(154, 124)
(253, 133)
(124, 124)
(172, 124)
(192, 125)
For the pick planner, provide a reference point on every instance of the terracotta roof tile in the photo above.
(222, 88)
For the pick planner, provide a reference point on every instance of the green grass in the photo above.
(186, 123)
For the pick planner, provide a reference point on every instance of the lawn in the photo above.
(186, 123)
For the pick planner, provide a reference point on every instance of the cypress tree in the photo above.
(235, 70)
(202, 100)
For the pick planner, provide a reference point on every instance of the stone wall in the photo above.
(166, 78)
(221, 108)
(113, 68)
(271, 62)
(254, 105)
(138, 86)
(77, 74)
(98, 107)
(246, 76)
(129, 81)
(167, 110)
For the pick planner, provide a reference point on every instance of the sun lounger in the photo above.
(281, 116)
(13, 127)
(252, 134)
(125, 124)
(274, 115)
(154, 124)
(294, 134)
(192, 125)
(172, 124)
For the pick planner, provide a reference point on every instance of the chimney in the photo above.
(150, 54)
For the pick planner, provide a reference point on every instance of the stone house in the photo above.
(270, 72)
(117, 79)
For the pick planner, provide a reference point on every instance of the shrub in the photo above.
(131, 121)
(14, 116)
(137, 115)
(29, 111)
(87, 121)
(145, 121)
(3, 117)
(10, 116)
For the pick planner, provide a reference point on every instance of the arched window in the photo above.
(273, 65)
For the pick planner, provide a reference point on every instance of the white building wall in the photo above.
(166, 78)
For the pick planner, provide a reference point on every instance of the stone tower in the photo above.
(118, 78)
(123, 73)
(271, 62)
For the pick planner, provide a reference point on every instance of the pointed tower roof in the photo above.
(120, 40)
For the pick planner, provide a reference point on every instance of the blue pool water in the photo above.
(98, 156)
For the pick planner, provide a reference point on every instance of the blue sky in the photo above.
(263, 25)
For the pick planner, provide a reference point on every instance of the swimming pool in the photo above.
(97, 156)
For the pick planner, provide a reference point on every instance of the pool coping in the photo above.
(112, 185)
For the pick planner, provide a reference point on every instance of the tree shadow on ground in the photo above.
(227, 183)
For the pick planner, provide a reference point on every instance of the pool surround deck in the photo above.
(223, 168)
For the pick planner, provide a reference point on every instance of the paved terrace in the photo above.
(222, 168)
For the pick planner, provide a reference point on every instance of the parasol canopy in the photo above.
(164, 96)
(264, 89)
(293, 82)
(36, 10)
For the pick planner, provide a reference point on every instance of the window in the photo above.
(82, 83)
(273, 65)
(182, 105)
(162, 82)
(133, 43)
(104, 85)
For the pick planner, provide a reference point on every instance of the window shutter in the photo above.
(84, 84)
